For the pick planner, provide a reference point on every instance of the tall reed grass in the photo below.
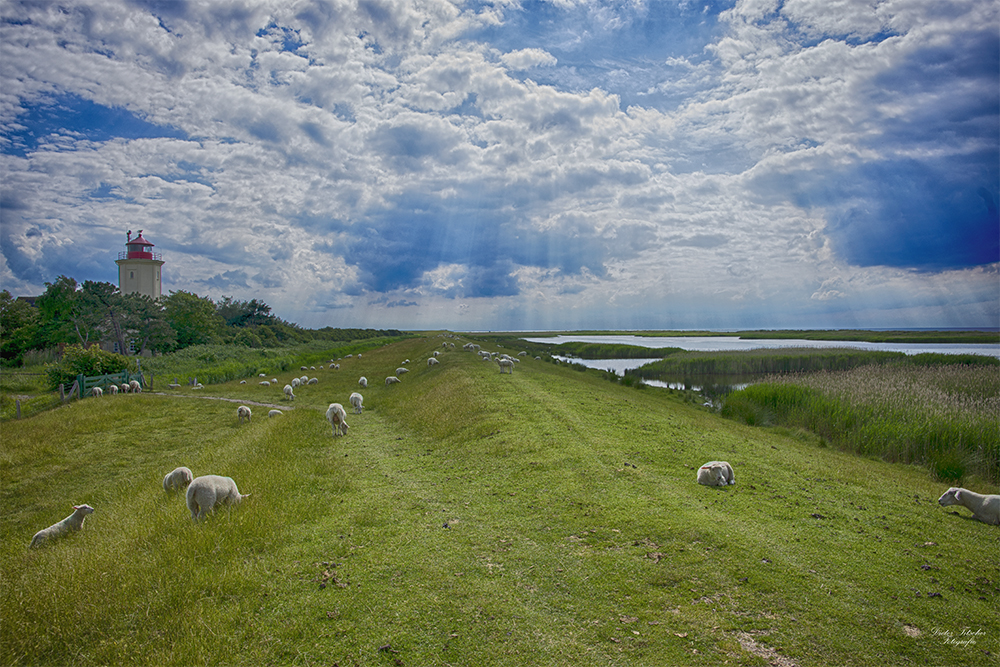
(944, 417)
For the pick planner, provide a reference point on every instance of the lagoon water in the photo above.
(735, 343)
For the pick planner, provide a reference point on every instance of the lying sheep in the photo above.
(73, 522)
(392, 379)
(363, 382)
(177, 479)
(207, 491)
(716, 473)
(243, 412)
(288, 392)
(356, 400)
(96, 391)
(432, 362)
(984, 508)
(336, 415)
(275, 413)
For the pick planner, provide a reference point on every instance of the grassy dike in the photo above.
(471, 518)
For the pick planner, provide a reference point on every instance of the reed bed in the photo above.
(944, 417)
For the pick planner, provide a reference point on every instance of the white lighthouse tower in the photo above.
(139, 268)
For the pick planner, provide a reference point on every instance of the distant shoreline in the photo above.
(985, 336)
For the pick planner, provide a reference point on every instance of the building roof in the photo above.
(138, 240)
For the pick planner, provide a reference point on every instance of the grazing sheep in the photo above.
(177, 479)
(288, 392)
(313, 381)
(243, 412)
(112, 389)
(401, 370)
(304, 379)
(303, 368)
(392, 379)
(433, 362)
(436, 353)
(506, 365)
(356, 400)
(73, 522)
(243, 381)
(716, 473)
(363, 382)
(264, 383)
(96, 391)
(261, 375)
(207, 491)
(336, 415)
(125, 388)
(135, 386)
(984, 508)
(296, 382)
(275, 413)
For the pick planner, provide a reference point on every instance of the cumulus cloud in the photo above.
(652, 164)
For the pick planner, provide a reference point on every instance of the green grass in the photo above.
(547, 517)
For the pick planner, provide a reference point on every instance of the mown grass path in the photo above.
(471, 518)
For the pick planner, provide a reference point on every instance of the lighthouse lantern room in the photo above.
(139, 267)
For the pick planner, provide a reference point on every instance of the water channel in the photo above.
(735, 343)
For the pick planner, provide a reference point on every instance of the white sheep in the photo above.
(303, 368)
(135, 386)
(207, 491)
(125, 388)
(392, 379)
(336, 415)
(313, 381)
(177, 479)
(275, 413)
(73, 522)
(433, 362)
(401, 370)
(112, 389)
(984, 508)
(304, 379)
(261, 375)
(356, 400)
(243, 412)
(296, 382)
(288, 392)
(274, 380)
(506, 366)
(716, 473)
(363, 382)
(243, 381)
(264, 383)
(96, 391)
(436, 353)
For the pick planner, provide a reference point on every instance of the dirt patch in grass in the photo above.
(750, 645)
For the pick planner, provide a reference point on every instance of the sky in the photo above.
(506, 165)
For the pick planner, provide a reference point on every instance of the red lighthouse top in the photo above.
(138, 248)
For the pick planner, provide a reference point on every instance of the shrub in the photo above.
(79, 361)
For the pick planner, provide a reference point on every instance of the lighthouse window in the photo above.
(131, 274)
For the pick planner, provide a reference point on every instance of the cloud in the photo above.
(587, 163)
(528, 58)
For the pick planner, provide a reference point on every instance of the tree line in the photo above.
(97, 312)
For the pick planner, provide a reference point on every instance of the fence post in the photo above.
(80, 382)
(62, 393)
(17, 407)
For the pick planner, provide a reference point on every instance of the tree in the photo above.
(55, 308)
(18, 327)
(193, 318)
(244, 313)
(145, 322)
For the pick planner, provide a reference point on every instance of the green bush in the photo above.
(79, 361)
